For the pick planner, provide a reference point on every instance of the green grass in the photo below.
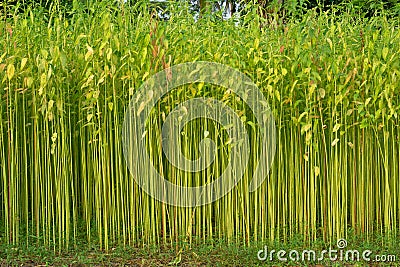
(217, 254)
(332, 82)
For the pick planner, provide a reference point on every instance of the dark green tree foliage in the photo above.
(373, 7)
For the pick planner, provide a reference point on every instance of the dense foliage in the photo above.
(332, 82)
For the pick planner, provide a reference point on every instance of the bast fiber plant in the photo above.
(332, 83)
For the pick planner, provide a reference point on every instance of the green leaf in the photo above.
(256, 43)
(89, 52)
(10, 71)
(23, 63)
(89, 117)
(335, 142)
(110, 106)
(330, 43)
(316, 171)
(385, 52)
(336, 127)
(306, 127)
(277, 95)
(144, 55)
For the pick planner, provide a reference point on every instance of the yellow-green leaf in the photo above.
(29, 82)
(277, 95)
(306, 127)
(316, 171)
(256, 43)
(43, 82)
(336, 127)
(10, 71)
(89, 117)
(145, 75)
(111, 106)
(200, 86)
(330, 43)
(50, 104)
(89, 52)
(385, 52)
(335, 142)
(23, 63)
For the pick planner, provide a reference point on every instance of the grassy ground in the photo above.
(203, 254)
